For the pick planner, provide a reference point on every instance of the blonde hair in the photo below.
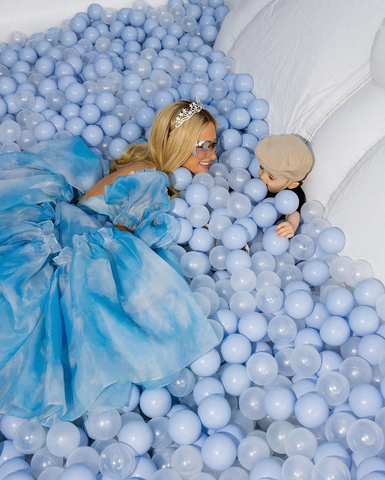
(168, 147)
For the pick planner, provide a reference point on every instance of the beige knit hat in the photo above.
(285, 155)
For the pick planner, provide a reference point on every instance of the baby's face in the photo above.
(274, 182)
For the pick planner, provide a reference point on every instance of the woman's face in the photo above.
(200, 162)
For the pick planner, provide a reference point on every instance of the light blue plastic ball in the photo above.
(184, 427)
(335, 331)
(371, 348)
(230, 139)
(207, 365)
(131, 132)
(219, 452)
(201, 240)
(330, 361)
(311, 410)
(78, 470)
(239, 158)
(243, 83)
(274, 244)
(258, 128)
(339, 301)
(286, 202)
(235, 379)
(227, 319)
(92, 135)
(197, 194)
(239, 118)
(117, 147)
(138, 435)
(298, 304)
(234, 237)
(279, 403)
(367, 292)
(365, 400)
(105, 101)
(258, 109)
(44, 131)
(315, 272)
(74, 125)
(264, 214)
(364, 320)
(236, 348)
(331, 240)
(214, 411)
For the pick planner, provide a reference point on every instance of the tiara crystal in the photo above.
(184, 115)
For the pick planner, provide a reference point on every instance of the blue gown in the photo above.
(86, 309)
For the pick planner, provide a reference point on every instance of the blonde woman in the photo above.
(171, 145)
(88, 308)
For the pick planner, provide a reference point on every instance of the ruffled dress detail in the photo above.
(87, 309)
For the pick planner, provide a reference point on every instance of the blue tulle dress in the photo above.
(85, 308)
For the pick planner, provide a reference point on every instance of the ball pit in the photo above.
(294, 389)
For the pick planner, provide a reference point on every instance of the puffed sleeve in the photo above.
(140, 202)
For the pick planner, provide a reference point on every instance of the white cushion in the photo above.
(343, 139)
(359, 210)
(377, 63)
(306, 57)
(242, 12)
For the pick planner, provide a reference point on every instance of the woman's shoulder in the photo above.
(136, 167)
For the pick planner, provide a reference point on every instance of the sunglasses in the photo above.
(205, 149)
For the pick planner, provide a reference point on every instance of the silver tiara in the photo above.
(184, 115)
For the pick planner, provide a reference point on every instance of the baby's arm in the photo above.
(287, 229)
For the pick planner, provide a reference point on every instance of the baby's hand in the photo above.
(285, 229)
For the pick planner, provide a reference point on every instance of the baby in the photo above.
(285, 162)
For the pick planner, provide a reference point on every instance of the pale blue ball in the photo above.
(365, 400)
(335, 331)
(236, 348)
(92, 135)
(315, 272)
(219, 452)
(298, 304)
(286, 202)
(214, 411)
(201, 240)
(230, 139)
(274, 244)
(264, 214)
(234, 237)
(227, 319)
(339, 301)
(207, 365)
(184, 427)
(311, 410)
(364, 320)
(331, 240)
(368, 291)
(235, 379)
(131, 132)
(279, 403)
(44, 131)
(197, 194)
(371, 348)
